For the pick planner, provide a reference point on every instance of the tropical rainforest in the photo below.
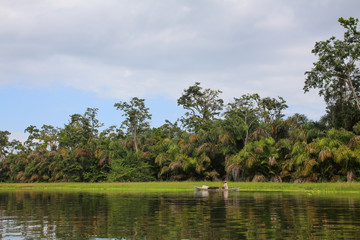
(247, 139)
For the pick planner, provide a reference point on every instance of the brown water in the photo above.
(60, 215)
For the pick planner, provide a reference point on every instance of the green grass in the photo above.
(185, 187)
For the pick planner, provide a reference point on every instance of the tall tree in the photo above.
(93, 122)
(49, 136)
(32, 141)
(243, 114)
(170, 130)
(272, 109)
(272, 114)
(202, 106)
(136, 115)
(4, 143)
(76, 133)
(336, 73)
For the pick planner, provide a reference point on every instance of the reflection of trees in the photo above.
(279, 216)
(171, 216)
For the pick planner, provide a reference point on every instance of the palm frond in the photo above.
(259, 133)
(228, 159)
(193, 138)
(283, 144)
(354, 142)
(203, 159)
(325, 154)
(181, 142)
(205, 147)
(164, 170)
(225, 138)
(214, 175)
(129, 143)
(162, 158)
(272, 161)
(309, 166)
(259, 178)
(145, 155)
(82, 153)
(34, 178)
(199, 169)
(234, 171)
(251, 161)
(98, 153)
(312, 150)
(259, 150)
(189, 163)
(103, 161)
(19, 175)
(166, 140)
(63, 152)
(21, 160)
(176, 165)
(184, 148)
(343, 155)
(276, 178)
(150, 141)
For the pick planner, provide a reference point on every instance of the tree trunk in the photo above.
(353, 91)
(135, 142)
(133, 130)
(350, 176)
(246, 137)
(341, 86)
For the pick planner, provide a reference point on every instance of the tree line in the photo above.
(248, 139)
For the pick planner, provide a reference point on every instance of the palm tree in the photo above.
(258, 157)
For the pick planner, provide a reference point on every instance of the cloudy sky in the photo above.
(59, 57)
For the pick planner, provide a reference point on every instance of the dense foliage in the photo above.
(245, 140)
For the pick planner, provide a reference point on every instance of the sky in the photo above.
(58, 58)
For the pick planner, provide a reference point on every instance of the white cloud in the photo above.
(280, 18)
(121, 49)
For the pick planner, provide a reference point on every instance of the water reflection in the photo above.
(199, 215)
(206, 194)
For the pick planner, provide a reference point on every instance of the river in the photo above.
(189, 215)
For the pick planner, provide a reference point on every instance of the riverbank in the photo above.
(186, 186)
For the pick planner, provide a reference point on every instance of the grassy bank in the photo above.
(185, 186)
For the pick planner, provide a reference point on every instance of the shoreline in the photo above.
(338, 187)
